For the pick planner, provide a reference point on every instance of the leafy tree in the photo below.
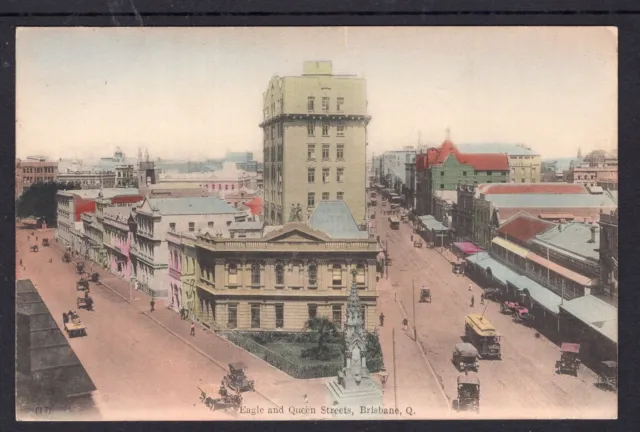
(374, 352)
(325, 332)
(39, 201)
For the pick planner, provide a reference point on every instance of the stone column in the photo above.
(320, 273)
(268, 274)
(371, 275)
(242, 268)
(304, 274)
(220, 273)
(287, 267)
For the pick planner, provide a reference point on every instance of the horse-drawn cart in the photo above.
(225, 400)
(74, 327)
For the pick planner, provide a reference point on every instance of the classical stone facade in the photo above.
(609, 253)
(279, 281)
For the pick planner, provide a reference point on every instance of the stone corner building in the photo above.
(279, 281)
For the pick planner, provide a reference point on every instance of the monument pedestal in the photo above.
(367, 394)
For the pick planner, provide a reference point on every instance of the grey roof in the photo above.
(432, 224)
(106, 193)
(613, 194)
(191, 206)
(249, 225)
(53, 362)
(574, 237)
(334, 219)
(551, 200)
(596, 313)
(118, 213)
(510, 149)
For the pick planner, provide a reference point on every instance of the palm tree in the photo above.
(325, 331)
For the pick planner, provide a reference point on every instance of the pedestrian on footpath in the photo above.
(405, 324)
(153, 304)
(193, 329)
(381, 319)
(469, 287)
(20, 261)
(472, 301)
(306, 399)
(482, 298)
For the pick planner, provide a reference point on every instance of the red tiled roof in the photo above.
(446, 149)
(524, 227)
(256, 205)
(533, 188)
(579, 213)
(486, 161)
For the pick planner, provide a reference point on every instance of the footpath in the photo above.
(272, 384)
(412, 382)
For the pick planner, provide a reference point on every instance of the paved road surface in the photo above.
(141, 370)
(524, 383)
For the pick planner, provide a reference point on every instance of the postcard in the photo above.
(316, 223)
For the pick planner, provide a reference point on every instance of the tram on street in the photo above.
(481, 333)
(394, 222)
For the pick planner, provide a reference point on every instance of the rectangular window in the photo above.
(340, 196)
(311, 199)
(464, 173)
(210, 224)
(325, 196)
(337, 315)
(255, 316)
(172, 226)
(441, 173)
(325, 104)
(192, 226)
(313, 310)
(339, 174)
(340, 152)
(325, 127)
(491, 172)
(311, 103)
(325, 152)
(311, 175)
(311, 151)
(340, 129)
(325, 175)
(339, 103)
(442, 186)
(233, 316)
(311, 128)
(336, 275)
(279, 316)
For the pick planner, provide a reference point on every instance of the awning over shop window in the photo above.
(494, 268)
(597, 314)
(467, 248)
(511, 247)
(543, 296)
(562, 271)
(430, 223)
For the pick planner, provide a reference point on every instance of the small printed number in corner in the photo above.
(43, 410)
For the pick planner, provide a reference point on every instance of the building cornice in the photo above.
(315, 116)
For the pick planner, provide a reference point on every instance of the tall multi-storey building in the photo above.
(34, 169)
(315, 139)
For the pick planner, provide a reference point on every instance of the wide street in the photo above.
(141, 370)
(524, 383)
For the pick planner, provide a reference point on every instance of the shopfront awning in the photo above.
(467, 248)
(597, 314)
(562, 271)
(541, 295)
(431, 224)
(511, 247)
(494, 268)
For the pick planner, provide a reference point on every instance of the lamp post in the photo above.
(413, 287)
(133, 281)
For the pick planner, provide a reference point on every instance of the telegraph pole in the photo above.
(395, 375)
(413, 287)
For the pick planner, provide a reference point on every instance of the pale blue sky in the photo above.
(196, 92)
